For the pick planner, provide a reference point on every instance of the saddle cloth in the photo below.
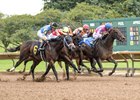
(88, 41)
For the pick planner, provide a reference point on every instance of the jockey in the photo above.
(101, 29)
(57, 32)
(44, 32)
(82, 31)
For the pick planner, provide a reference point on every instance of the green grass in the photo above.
(5, 64)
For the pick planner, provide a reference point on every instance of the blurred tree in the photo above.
(132, 7)
(23, 35)
(84, 11)
(1, 15)
(47, 16)
(10, 25)
(64, 5)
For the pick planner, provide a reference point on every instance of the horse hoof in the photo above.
(110, 74)
(126, 75)
(101, 74)
(132, 75)
(79, 71)
(100, 70)
(94, 70)
(8, 70)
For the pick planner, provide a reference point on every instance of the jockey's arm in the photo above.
(42, 35)
(97, 34)
(51, 36)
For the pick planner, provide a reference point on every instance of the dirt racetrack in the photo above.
(85, 87)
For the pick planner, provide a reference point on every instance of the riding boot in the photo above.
(41, 47)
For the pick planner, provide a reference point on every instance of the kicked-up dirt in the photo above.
(85, 87)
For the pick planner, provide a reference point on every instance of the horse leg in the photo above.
(46, 72)
(67, 71)
(81, 57)
(99, 62)
(22, 58)
(82, 64)
(70, 63)
(113, 61)
(92, 63)
(77, 62)
(60, 64)
(25, 62)
(55, 72)
(35, 63)
(33, 68)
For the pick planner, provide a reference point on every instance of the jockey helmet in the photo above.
(54, 25)
(85, 26)
(65, 29)
(108, 25)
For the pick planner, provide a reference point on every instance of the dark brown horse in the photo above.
(103, 49)
(83, 55)
(73, 54)
(52, 52)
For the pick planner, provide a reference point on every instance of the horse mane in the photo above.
(113, 29)
(108, 32)
(55, 39)
(104, 36)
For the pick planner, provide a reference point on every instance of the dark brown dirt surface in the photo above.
(85, 87)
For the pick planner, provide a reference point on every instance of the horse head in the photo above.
(77, 39)
(116, 34)
(68, 42)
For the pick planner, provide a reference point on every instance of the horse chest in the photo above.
(105, 55)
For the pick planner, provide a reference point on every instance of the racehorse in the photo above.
(52, 52)
(79, 60)
(102, 49)
(73, 54)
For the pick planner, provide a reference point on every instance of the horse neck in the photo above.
(108, 42)
(57, 45)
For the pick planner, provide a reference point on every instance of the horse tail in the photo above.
(14, 49)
